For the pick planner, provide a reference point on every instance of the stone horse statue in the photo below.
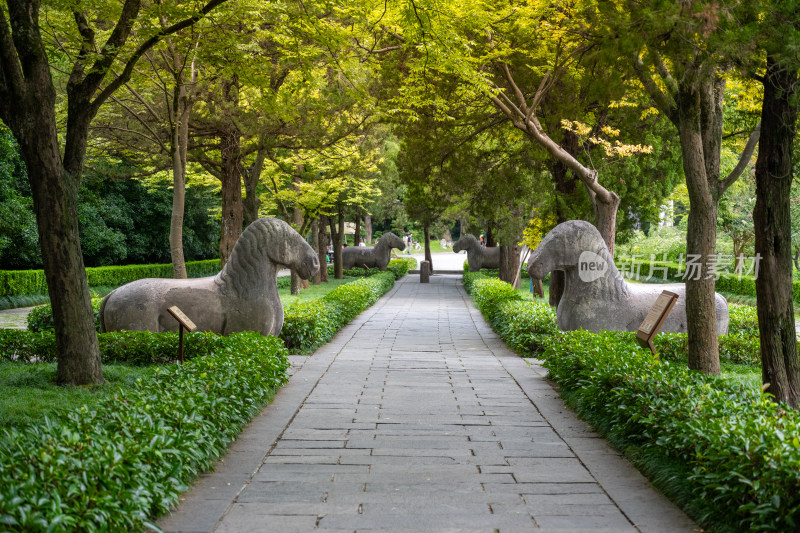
(372, 256)
(596, 297)
(242, 297)
(478, 256)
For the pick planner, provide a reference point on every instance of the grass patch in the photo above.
(313, 291)
(30, 393)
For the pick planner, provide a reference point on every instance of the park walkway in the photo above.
(416, 417)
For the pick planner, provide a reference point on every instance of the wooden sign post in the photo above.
(183, 322)
(654, 319)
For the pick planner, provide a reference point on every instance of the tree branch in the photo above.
(152, 41)
(744, 159)
(663, 102)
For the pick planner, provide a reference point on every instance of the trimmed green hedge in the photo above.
(139, 348)
(740, 451)
(309, 324)
(123, 463)
(23, 282)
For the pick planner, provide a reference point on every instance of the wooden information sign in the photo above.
(654, 319)
(183, 322)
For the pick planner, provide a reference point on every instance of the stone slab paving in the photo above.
(416, 417)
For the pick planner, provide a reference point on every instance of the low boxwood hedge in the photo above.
(22, 282)
(121, 464)
(309, 324)
(737, 451)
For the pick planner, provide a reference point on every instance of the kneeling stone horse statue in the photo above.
(372, 256)
(596, 297)
(478, 256)
(242, 297)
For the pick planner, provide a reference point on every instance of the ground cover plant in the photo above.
(123, 462)
(716, 445)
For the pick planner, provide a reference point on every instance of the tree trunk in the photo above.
(181, 107)
(55, 200)
(771, 216)
(538, 288)
(490, 235)
(337, 237)
(605, 217)
(315, 245)
(252, 178)
(232, 216)
(557, 282)
(297, 221)
(701, 167)
(357, 234)
(426, 231)
(368, 229)
(323, 248)
(509, 263)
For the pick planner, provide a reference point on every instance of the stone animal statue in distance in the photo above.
(596, 297)
(242, 297)
(377, 256)
(478, 256)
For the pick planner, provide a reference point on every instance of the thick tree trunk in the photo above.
(490, 235)
(357, 234)
(232, 216)
(426, 231)
(509, 263)
(180, 141)
(252, 177)
(315, 245)
(557, 282)
(323, 248)
(56, 204)
(605, 217)
(297, 283)
(779, 362)
(337, 237)
(701, 167)
(368, 229)
(538, 288)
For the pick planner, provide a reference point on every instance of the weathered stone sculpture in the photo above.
(478, 256)
(242, 297)
(372, 256)
(596, 297)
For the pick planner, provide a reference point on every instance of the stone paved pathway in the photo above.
(417, 418)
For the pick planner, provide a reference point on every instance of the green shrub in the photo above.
(40, 317)
(25, 282)
(309, 324)
(124, 463)
(742, 450)
(140, 348)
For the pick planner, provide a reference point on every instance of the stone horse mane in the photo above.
(245, 267)
(561, 250)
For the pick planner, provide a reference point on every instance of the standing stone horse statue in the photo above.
(596, 297)
(372, 256)
(478, 256)
(242, 297)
